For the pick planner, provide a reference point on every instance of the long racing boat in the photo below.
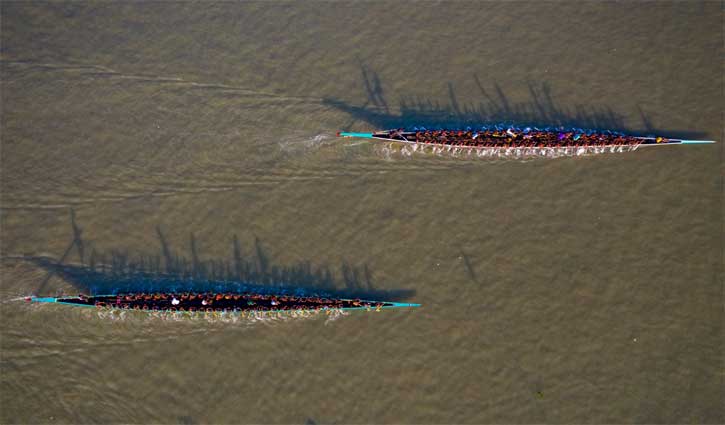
(219, 302)
(530, 139)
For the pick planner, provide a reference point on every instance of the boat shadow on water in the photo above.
(495, 108)
(120, 271)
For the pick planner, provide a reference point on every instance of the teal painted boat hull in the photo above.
(358, 135)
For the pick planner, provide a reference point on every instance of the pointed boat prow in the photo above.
(43, 299)
(360, 135)
(220, 303)
(400, 305)
(698, 142)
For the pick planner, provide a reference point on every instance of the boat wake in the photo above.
(241, 318)
(195, 317)
(407, 150)
(14, 299)
(244, 318)
(299, 144)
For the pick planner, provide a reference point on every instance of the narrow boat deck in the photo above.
(518, 139)
(219, 302)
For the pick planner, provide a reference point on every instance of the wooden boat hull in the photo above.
(239, 305)
(508, 143)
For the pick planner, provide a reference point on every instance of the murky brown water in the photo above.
(567, 290)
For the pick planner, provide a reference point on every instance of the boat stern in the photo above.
(400, 305)
(357, 135)
(41, 299)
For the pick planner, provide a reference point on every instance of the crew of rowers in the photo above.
(227, 301)
(518, 139)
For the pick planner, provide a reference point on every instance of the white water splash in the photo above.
(391, 150)
(217, 317)
(212, 317)
(386, 151)
(303, 144)
(335, 315)
(16, 299)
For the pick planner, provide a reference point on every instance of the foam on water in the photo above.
(213, 317)
(243, 318)
(392, 149)
(300, 144)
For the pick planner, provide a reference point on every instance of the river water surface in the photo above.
(583, 289)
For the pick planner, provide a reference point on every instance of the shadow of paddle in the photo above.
(120, 271)
(76, 242)
(494, 107)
